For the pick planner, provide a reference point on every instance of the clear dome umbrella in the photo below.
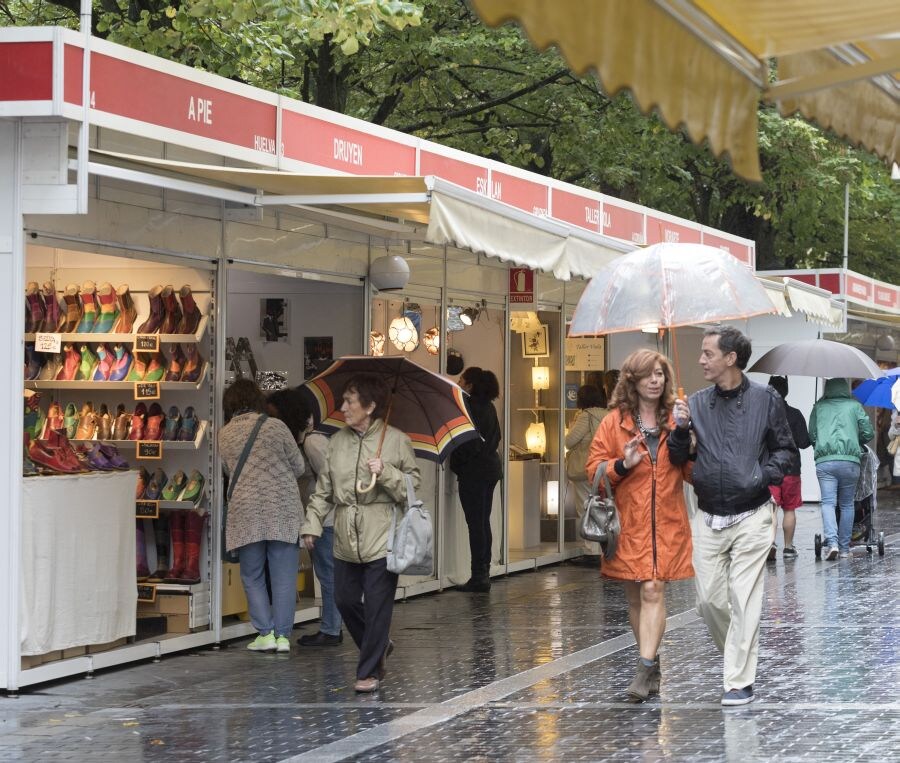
(669, 285)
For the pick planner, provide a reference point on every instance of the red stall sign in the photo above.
(520, 193)
(858, 289)
(739, 251)
(576, 210)
(622, 222)
(26, 71)
(660, 230)
(327, 144)
(464, 174)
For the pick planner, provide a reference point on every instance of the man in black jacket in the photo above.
(743, 445)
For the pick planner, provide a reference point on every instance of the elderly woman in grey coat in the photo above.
(264, 513)
(364, 587)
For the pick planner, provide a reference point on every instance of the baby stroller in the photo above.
(864, 532)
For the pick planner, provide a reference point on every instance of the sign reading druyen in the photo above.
(148, 450)
(146, 390)
(47, 342)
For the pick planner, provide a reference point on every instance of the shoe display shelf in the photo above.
(168, 445)
(184, 504)
(110, 385)
(111, 338)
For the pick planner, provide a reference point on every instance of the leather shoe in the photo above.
(366, 685)
(320, 639)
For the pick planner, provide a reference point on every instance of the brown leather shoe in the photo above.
(123, 419)
(366, 685)
(87, 423)
(104, 423)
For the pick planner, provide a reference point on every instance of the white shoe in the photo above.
(832, 554)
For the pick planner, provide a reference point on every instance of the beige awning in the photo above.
(816, 307)
(453, 215)
(776, 294)
(705, 64)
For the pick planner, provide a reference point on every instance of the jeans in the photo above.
(837, 482)
(323, 564)
(283, 559)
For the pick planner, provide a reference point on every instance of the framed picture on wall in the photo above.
(535, 343)
(273, 320)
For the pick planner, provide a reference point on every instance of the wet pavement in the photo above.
(535, 670)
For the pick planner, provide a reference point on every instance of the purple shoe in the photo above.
(121, 365)
(96, 459)
(113, 457)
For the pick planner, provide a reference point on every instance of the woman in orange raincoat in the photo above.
(655, 543)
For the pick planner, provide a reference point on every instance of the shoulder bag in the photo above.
(232, 556)
(410, 543)
(600, 521)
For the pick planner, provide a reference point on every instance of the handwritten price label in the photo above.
(48, 342)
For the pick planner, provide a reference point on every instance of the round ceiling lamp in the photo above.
(432, 340)
(403, 334)
(389, 273)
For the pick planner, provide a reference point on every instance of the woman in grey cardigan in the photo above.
(264, 513)
(592, 405)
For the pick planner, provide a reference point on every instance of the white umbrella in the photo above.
(895, 395)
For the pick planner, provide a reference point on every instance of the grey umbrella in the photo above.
(817, 357)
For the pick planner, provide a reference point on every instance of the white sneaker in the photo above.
(832, 554)
(282, 644)
(845, 554)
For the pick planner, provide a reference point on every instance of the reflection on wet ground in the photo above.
(535, 670)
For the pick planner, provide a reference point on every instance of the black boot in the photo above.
(480, 582)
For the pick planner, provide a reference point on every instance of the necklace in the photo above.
(645, 431)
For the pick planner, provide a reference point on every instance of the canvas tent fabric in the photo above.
(704, 64)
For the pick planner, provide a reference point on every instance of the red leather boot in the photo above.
(193, 540)
(191, 320)
(173, 317)
(155, 319)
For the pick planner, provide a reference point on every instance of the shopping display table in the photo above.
(78, 560)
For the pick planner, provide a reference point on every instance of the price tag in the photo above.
(146, 342)
(48, 342)
(146, 592)
(146, 390)
(149, 449)
(146, 509)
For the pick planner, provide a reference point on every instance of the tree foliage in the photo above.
(430, 68)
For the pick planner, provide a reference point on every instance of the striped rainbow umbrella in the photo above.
(428, 408)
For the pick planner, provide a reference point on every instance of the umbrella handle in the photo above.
(360, 488)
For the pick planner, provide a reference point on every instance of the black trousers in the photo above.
(364, 594)
(476, 496)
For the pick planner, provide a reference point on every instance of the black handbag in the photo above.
(600, 521)
(232, 556)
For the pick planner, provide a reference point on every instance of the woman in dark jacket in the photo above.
(477, 468)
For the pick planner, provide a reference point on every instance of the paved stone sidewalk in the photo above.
(535, 670)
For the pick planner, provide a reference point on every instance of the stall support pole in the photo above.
(12, 328)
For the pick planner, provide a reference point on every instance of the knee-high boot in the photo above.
(193, 540)
(143, 571)
(161, 531)
(176, 528)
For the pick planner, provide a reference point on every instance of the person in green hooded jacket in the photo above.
(839, 428)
